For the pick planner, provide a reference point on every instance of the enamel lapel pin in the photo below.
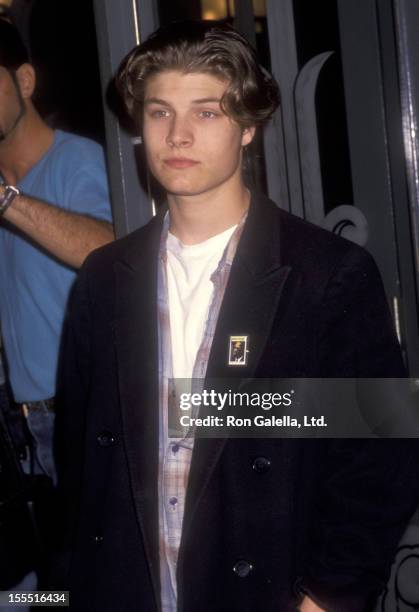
(238, 350)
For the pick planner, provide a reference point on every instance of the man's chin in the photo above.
(184, 191)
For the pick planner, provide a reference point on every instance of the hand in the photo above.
(308, 605)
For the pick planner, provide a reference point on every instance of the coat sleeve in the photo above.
(369, 488)
(72, 395)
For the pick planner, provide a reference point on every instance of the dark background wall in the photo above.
(61, 37)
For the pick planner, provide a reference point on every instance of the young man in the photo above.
(154, 523)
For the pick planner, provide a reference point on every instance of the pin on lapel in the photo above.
(237, 351)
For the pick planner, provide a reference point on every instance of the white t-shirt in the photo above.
(190, 290)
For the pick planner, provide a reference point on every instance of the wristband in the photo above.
(9, 194)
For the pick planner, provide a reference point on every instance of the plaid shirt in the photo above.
(175, 454)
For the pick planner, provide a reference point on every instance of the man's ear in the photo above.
(26, 79)
(248, 135)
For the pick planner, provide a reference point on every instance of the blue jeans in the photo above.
(41, 426)
(28, 583)
(9, 418)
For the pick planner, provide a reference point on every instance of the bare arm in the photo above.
(67, 235)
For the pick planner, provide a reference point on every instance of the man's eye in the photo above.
(208, 114)
(160, 114)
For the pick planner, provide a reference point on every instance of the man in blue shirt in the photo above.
(54, 210)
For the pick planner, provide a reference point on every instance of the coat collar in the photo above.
(253, 291)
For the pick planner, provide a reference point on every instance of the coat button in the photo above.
(98, 539)
(261, 465)
(105, 438)
(242, 568)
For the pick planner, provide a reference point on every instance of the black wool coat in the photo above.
(265, 519)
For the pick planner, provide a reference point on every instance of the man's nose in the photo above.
(180, 133)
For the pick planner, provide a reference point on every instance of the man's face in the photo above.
(10, 103)
(192, 146)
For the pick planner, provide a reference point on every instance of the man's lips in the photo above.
(180, 162)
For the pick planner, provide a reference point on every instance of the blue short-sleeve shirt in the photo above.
(34, 286)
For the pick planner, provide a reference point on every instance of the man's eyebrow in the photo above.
(165, 103)
(206, 100)
(156, 101)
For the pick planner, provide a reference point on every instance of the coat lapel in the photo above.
(136, 333)
(250, 302)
